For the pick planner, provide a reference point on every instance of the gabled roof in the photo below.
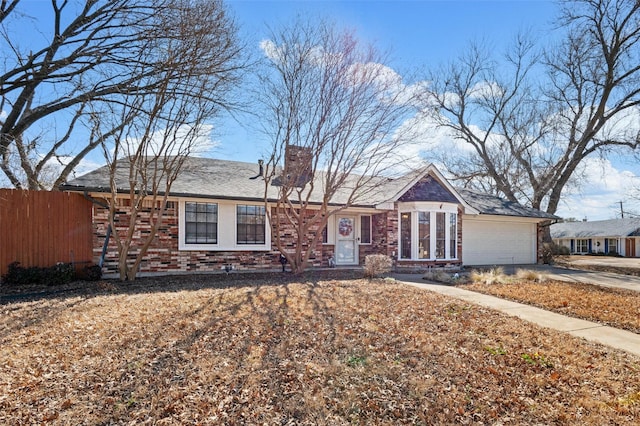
(222, 179)
(429, 184)
(613, 228)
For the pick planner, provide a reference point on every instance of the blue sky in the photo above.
(417, 34)
(420, 34)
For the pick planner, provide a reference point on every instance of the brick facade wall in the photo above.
(163, 254)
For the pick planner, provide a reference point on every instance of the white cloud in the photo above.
(198, 141)
(271, 50)
(486, 89)
(599, 195)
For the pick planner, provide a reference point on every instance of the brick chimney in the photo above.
(297, 164)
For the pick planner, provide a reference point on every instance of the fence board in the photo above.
(42, 228)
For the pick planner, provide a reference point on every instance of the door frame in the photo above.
(339, 237)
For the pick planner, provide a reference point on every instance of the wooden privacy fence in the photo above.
(42, 228)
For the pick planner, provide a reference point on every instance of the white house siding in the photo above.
(498, 240)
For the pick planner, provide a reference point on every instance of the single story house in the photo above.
(216, 216)
(614, 236)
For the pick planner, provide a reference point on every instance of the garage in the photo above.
(498, 241)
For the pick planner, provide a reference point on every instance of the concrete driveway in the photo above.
(597, 270)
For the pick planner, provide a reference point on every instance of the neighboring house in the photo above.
(216, 216)
(615, 236)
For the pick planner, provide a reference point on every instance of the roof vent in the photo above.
(260, 170)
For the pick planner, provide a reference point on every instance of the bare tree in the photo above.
(157, 131)
(529, 122)
(333, 112)
(94, 55)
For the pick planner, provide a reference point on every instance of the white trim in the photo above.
(331, 231)
(356, 252)
(227, 229)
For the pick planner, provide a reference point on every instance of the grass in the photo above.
(321, 352)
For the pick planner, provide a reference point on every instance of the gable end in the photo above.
(428, 189)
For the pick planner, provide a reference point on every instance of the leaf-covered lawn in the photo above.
(319, 352)
(618, 308)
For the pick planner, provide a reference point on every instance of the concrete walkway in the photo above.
(616, 338)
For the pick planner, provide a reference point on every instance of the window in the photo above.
(250, 222)
(441, 239)
(405, 236)
(613, 245)
(201, 223)
(424, 235)
(453, 235)
(428, 231)
(365, 229)
(582, 246)
(325, 235)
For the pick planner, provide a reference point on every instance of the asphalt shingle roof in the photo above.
(223, 179)
(625, 227)
(489, 204)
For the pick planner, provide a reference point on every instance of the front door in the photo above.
(346, 247)
(630, 247)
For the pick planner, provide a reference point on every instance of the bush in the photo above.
(492, 276)
(61, 273)
(376, 265)
(530, 275)
(92, 273)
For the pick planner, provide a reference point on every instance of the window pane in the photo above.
(582, 246)
(251, 222)
(424, 235)
(201, 223)
(440, 235)
(325, 235)
(365, 229)
(405, 235)
(190, 233)
(453, 235)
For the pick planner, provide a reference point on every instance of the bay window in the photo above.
(428, 231)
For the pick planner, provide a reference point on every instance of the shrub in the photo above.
(376, 265)
(492, 276)
(61, 273)
(530, 275)
(92, 272)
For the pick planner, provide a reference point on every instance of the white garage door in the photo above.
(486, 242)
